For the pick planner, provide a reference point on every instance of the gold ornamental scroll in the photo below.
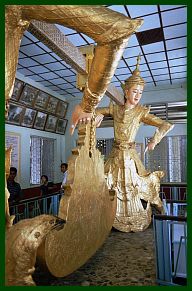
(87, 206)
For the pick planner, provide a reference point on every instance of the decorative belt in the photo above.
(124, 145)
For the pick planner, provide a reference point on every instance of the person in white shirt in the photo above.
(64, 167)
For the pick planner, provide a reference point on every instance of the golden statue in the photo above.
(124, 170)
(89, 211)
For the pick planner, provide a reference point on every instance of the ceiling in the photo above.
(161, 40)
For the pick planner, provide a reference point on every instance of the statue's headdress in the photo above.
(135, 79)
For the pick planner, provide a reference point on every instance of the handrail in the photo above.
(176, 201)
(174, 184)
(170, 238)
(178, 254)
(170, 217)
(34, 198)
(32, 207)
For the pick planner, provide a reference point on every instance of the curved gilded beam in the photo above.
(110, 29)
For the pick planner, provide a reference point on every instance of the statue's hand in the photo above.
(150, 146)
(99, 119)
(79, 116)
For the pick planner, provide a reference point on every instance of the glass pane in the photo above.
(35, 165)
(48, 158)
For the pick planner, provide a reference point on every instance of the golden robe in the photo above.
(124, 170)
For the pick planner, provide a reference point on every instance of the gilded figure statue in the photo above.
(124, 170)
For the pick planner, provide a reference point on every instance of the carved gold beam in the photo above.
(55, 40)
(109, 29)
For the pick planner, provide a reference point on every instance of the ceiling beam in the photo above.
(55, 40)
(113, 93)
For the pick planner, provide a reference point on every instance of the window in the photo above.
(42, 158)
(169, 156)
(105, 146)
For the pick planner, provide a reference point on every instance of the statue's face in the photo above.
(133, 94)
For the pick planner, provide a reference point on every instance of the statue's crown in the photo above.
(135, 79)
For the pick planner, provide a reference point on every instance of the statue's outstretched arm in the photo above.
(163, 127)
(111, 30)
(103, 111)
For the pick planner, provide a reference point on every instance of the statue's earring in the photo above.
(126, 92)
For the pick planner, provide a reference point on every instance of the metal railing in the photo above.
(32, 207)
(170, 236)
(175, 207)
(173, 191)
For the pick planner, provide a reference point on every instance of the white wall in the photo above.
(164, 94)
(25, 134)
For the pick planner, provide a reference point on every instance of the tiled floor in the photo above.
(125, 259)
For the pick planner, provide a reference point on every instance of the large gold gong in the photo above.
(88, 207)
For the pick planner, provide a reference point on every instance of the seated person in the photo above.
(45, 187)
(64, 170)
(13, 187)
